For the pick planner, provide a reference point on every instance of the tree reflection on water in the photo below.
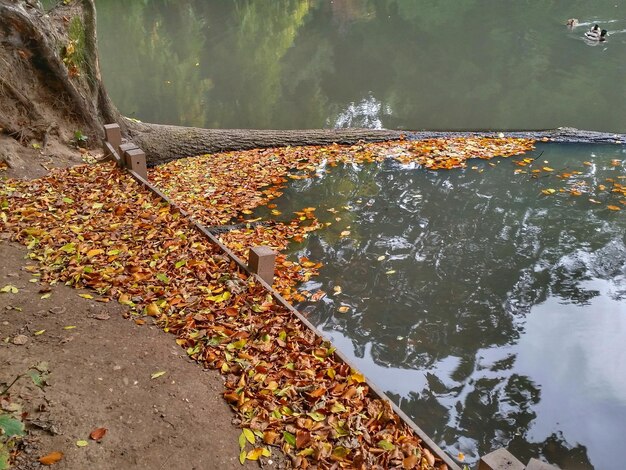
(474, 263)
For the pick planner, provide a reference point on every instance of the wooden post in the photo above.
(500, 459)
(261, 261)
(112, 142)
(135, 160)
(125, 148)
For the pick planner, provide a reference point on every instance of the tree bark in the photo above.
(42, 89)
(164, 143)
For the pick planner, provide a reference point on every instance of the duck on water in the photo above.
(595, 34)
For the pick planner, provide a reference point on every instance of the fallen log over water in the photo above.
(163, 143)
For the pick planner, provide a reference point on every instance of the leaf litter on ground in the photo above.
(287, 385)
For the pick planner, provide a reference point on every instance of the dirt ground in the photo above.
(101, 366)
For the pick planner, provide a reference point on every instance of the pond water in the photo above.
(408, 64)
(493, 313)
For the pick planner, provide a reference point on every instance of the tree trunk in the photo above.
(50, 82)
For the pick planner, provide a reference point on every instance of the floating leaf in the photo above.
(343, 309)
(613, 208)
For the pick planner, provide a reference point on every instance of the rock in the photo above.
(20, 340)
(12, 160)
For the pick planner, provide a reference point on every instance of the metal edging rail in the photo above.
(452, 465)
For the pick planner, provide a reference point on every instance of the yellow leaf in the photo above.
(357, 377)
(9, 289)
(40, 332)
(614, 208)
(82, 443)
(153, 310)
(343, 309)
(249, 435)
(94, 252)
(548, 191)
(156, 375)
(547, 168)
(86, 296)
(345, 233)
(69, 327)
(381, 257)
(255, 454)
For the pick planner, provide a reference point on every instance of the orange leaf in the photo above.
(51, 458)
(98, 433)
(318, 392)
(231, 312)
(409, 462)
(614, 208)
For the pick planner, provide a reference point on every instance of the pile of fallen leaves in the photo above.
(95, 227)
(221, 188)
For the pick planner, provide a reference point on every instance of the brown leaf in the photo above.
(269, 437)
(97, 434)
(302, 439)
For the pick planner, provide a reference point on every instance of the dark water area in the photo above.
(405, 64)
(492, 313)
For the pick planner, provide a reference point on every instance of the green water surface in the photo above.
(408, 64)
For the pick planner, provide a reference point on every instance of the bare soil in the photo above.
(100, 376)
